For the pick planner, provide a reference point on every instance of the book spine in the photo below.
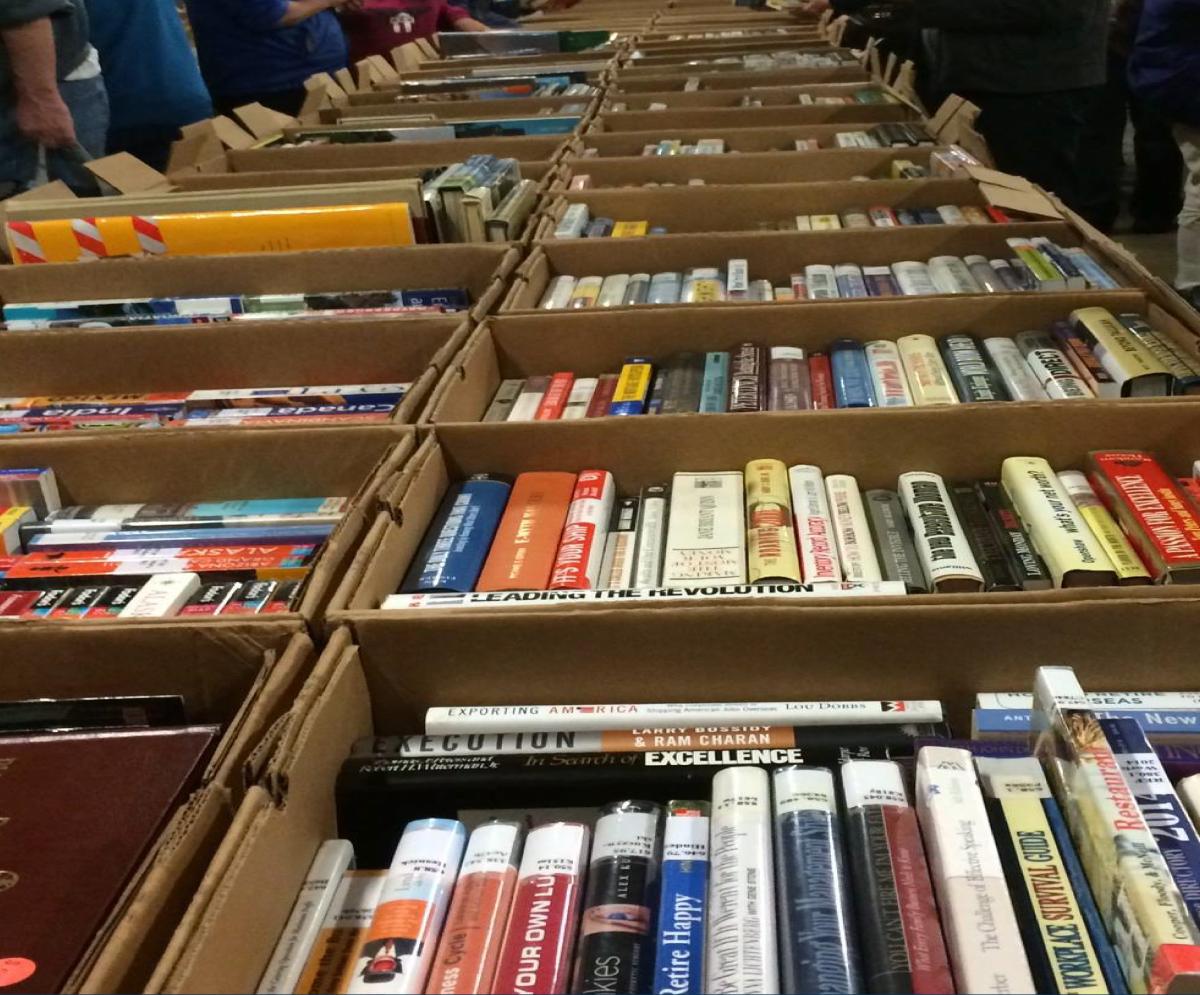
(770, 538)
(1026, 566)
(789, 386)
(535, 955)
(1014, 372)
(1059, 535)
(898, 559)
(913, 277)
(952, 276)
(903, 949)
(984, 941)
(815, 532)
(1129, 700)
(1057, 941)
(317, 895)
(1160, 806)
(706, 536)
(526, 406)
(616, 570)
(683, 901)
(466, 958)
(818, 944)
(973, 376)
(940, 540)
(613, 951)
(997, 571)
(820, 282)
(1160, 345)
(740, 948)
(555, 398)
(580, 398)
(522, 553)
(928, 378)
(685, 383)
(581, 547)
(1080, 355)
(1119, 352)
(654, 405)
(651, 535)
(820, 375)
(633, 388)
(457, 542)
(747, 378)
(606, 388)
(612, 290)
(887, 374)
(1051, 368)
(1129, 569)
(856, 552)
(330, 965)
(1162, 524)
(714, 392)
(398, 949)
(162, 596)
(851, 375)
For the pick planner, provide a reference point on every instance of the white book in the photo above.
(940, 540)
(913, 278)
(580, 398)
(558, 293)
(951, 276)
(980, 925)
(706, 530)
(1018, 378)
(821, 282)
(856, 550)
(573, 222)
(815, 532)
(651, 536)
(887, 374)
(1051, 367)
(1126, 701)
(612, 290)
(162, 596)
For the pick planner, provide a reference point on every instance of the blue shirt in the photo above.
(149, 69)
(243, 52)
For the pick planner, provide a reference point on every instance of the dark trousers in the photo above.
(1158, 179)
(151, 144)
(1037, 135)
(285, 101)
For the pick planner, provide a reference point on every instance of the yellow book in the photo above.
(202, 233)
(633, 388)
(333, 957)
(1129, 567)
(11, 520)
(1073, 555)
(824, 222)
(928, 379)
(629, 229)
(1126, 358)
(770, 537)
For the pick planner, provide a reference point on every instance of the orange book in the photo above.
(522, 554)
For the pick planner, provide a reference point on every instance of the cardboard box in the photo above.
(482, 270)
(315, 351)
(770, 96)
(633, 81)
(707, 208)
(380, 682)
(244, 678)
(169, 467)
(780, 138)
(747, 167)
(773, 256)
(721, 118)
(543, 172)
(599, 340)
(966, 442)
(452, 110)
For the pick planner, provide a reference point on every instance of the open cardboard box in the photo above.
(170, 467)
(966, 442)
(309, 351)
(243, 678)
(720, 58)
(722, 118)
(633, 81)
(774, 256)
(599, 340)
(744, 168)
(770, 96)
(753, 207)
(452, 110)
(381, 681)
(777, 138)
(482, 270)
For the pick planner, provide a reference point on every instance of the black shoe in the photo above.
(1153, 226)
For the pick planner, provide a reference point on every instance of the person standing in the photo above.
(1164, 71)
(263, 50)
(154, 84)
(375, 27)
(53, 107)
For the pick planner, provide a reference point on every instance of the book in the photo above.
(1051, 367)
(683, 899)
(522, 554)
(928, 378)
(973, 376)
(1129, 569)
(706, 536)
(65, 893)
(985, 542)
(890, 529)
(1127, 360)
(815, 530)
(770, 539)
(1024, 563)
(852, 379)
(330, 963)
(581, 547)
(856, 550)
(748, 378)
(455, 546)
(887, 374)
(941, 542)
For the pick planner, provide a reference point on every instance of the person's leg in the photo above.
(88, 102)
(151, 144)
(1158, 189)
(18, 158)
(1102, 146)
(1187, 273)
(1036, 135)
(285, 101)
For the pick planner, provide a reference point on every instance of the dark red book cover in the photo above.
(80, 812)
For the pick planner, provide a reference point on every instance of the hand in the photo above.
(43, 118)
(816, 6)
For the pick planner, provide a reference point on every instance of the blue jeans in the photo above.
(87, 101)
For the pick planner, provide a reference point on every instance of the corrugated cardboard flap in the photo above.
(1013, 193)
(262, 122)
(128, 174)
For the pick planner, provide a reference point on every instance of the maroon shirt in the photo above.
(381, 25)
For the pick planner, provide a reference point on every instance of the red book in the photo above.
(821, 377)
(13, 604)
(997, 215)
(606, 387)
(1191, 487)
(1162, 523)
(555, 398)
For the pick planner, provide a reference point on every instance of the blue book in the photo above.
(452, 554)
(990, 721)
(714, 392)
(851, 372)
(42, 539)
(683, 897)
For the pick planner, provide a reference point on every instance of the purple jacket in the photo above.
(1164, 69)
